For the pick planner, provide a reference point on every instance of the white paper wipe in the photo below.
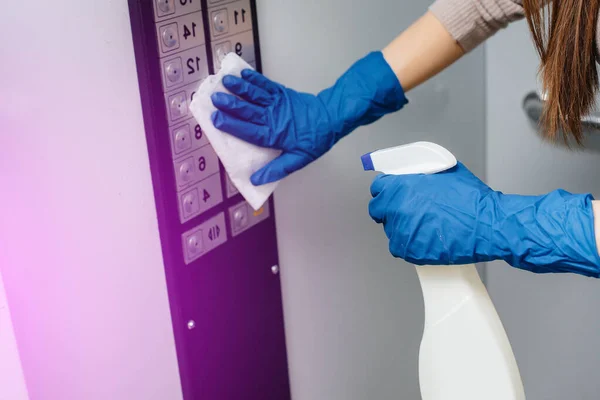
(240, 158)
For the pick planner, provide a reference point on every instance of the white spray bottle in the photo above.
(465, 353)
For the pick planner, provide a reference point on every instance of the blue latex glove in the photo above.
(305, 126)
(454, 218)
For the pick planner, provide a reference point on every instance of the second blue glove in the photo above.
(454, 218)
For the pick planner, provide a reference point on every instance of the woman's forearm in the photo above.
(421, 51)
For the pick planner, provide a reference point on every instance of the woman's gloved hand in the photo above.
(454, 218)
(302, 125)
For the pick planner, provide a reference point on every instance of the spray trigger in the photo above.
(413, 158)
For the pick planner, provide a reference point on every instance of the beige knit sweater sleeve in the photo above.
(470, 22)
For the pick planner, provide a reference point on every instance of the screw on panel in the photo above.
(191, 324)
(275, 269)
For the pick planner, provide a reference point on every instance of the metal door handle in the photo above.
(533, 106)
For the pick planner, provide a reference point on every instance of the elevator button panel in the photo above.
(218, 252)
(184, 54)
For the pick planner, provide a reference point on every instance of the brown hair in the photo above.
(568, 61)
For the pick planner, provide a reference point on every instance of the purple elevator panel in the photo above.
(221, 261)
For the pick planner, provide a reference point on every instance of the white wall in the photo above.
(12, 381)
(354, 314)
(79, 245)
(552, 321)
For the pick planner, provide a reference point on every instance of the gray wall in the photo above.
(552, 321)
(354, 314)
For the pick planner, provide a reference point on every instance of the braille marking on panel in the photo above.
(204, 238)
(163, 8)
(219, 20)
(181, 139)
(172, 72)
(168, 36)
(220, 50)
(189, 204)
(177, 105)
(184, 172)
